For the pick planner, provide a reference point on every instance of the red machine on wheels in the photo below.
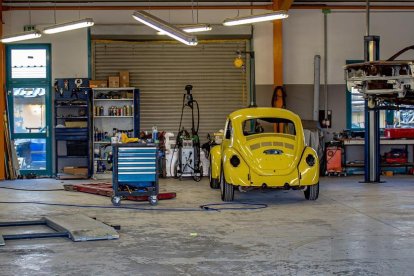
(333, 153)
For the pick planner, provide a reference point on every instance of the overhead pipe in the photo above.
(316, 86)
(212, 7)
(368, 17)
(325, 61)
(349, 7)
(140, 7)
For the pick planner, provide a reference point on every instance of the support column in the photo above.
(278, 43)
(2, 98)
(372, 129)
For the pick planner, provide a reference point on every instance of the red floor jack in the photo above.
(105, 189)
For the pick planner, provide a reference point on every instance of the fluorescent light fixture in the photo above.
(68, 26)
(255, 18)
(197, 28)
(194, 28)
(21, 36)
(162, 26)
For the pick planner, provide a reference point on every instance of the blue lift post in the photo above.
(372, 129)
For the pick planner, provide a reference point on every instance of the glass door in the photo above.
(29, 106)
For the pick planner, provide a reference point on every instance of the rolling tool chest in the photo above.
(135, 171)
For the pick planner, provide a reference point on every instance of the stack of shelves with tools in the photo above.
(115, 111)
(403, 145)
(72, 125)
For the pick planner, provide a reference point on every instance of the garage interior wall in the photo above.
(303, 38)
(161, 70)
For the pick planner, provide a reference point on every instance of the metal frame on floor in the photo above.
(56, 234)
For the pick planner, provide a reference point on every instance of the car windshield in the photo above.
(268, 125)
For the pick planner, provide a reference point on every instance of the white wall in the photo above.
(263, 48)
(303, 38)
(69, 49)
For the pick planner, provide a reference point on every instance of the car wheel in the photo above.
(312, 192)
(214, 183)
(227, 190)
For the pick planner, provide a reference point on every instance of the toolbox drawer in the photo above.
(136, 177)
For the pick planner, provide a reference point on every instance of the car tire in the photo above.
(227, 190)
(214, 182)
(312, 192)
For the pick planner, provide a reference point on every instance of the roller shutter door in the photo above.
(162, 70)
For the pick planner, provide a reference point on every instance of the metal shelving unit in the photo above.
(106, 125)
(72, 103)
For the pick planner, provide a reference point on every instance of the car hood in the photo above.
(271, 154)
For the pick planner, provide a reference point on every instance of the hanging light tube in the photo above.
(194, 28)
(68, 26)
(21, 36)
(255, 18)
(162, 26)
(197, 28)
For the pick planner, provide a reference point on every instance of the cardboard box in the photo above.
(123, 79)
(113, 82)
(76, 124)
(98, 84)
(75, 170)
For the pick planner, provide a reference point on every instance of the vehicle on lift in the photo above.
(389, 80)
(264, 148)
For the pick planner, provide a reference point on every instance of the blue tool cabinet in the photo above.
(135, 170)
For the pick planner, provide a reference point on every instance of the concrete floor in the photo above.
(352, 229)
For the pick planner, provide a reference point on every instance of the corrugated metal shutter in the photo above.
(162, 70)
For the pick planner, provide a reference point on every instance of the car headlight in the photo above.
(235, 161)
(310, 160)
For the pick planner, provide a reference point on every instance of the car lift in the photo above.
(75, 227)
(372, 128)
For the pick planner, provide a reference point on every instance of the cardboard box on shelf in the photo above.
(113, 82)
(123, 79)
(98, 84)
(76, 124)
(75, 170)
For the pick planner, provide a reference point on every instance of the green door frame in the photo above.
(41, 83)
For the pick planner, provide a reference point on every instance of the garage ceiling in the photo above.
(200, 4)
(255, 2)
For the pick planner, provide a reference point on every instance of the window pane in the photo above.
(31, 153)
(28, 64)
(29, 110)
(404, 118)
(357, 109)
(268, 125)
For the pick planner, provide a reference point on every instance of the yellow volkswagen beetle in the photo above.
(264, 147)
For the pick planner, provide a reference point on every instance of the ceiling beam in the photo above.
(215, 7)
(285, 4)
(350, 7)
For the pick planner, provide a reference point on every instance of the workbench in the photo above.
(383, 142)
